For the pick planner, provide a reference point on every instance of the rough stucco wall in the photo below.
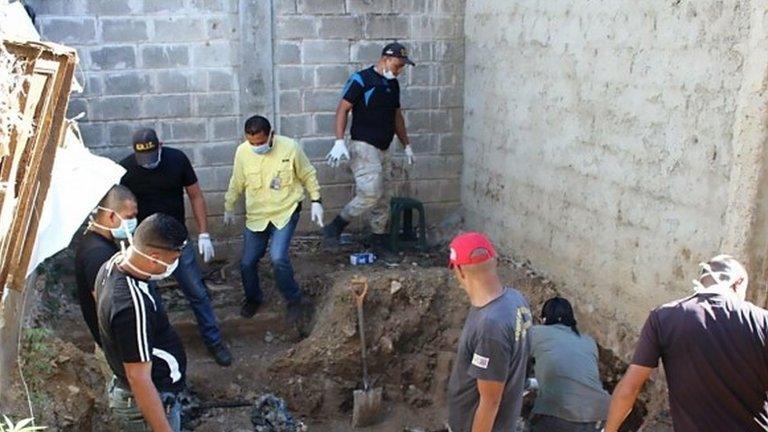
(598, 143)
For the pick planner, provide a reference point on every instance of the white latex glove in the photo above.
(229, 218)
(205, 247)
(337, 153)
(317, 213)
(409, 154)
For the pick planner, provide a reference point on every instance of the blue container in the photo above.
(362, 258)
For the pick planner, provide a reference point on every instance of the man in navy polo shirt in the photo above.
(373, 96)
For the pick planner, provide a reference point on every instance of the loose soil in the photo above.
(414, 313)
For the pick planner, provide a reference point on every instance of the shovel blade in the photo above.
(367, 407)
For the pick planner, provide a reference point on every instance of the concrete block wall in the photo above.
(319, 43)
(187, 68)
(599, 144)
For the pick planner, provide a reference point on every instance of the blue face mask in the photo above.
(155, 164)
(263, 149)
(124, 231)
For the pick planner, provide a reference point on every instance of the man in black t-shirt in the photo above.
(159, 176)
(714, 346)
(113, 220)
(373, 96)
(142, 349)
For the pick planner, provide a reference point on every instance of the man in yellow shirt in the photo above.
(273, 171)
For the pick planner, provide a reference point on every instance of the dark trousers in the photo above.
(190, 281)
(544, 423)
(255, 247)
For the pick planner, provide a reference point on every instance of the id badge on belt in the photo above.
(276, 182)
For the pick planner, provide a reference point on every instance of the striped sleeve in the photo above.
(132, 328)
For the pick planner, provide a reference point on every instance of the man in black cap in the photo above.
(158, 176)
(373, 96)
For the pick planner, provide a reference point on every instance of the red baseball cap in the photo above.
(470, 248)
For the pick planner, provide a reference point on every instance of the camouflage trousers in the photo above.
(371, 169)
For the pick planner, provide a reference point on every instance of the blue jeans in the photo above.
(128, 415)
(255, 247)
(190, 280)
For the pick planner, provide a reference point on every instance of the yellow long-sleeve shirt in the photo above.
(273, 183)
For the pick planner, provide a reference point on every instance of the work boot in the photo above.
(221, 354)
(300, 315)
(249, 308)
(332, 232)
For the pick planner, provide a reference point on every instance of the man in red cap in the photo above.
(485, 391)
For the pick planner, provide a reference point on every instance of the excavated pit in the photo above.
(414, 313)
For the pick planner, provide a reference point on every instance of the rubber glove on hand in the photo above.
(229, 218)
(205, 247)
(337, 153)
(409, 154)
(317, 213)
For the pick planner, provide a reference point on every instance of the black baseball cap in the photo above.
(396, 49)
(146, 146)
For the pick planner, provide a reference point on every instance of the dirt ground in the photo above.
(414, 314)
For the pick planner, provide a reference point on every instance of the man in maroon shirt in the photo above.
(714, 345)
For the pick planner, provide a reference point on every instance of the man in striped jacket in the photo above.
(142, 349)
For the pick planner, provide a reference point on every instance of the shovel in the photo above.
(367, 402)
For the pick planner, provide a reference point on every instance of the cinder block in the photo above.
(119, 133)
(115, 108)
(166, 106)
(61, 8)
(92, 86)
(294, 77)
(423, 75)
(285, 7)
(76, 106)
(340, 27)
(436, 27)
(321, 100)
(387, 27)
(113, 57)
(422, 144)
(294, 27)
(207, 6)
(451, 97)
(448, 51)
(451, 143)
(296, 126)
(331, 76)
(171, 81)
(447, 75)
(126, 83)
(324, 124)
(114, 153)
(223, 27)
(418, 121)
(177, 29)
(184, 130)
(287, 53)
(219, 154)
(290, 101)
(227, 129)
(215, 104)
(325, 51)
(366, 6)
(419, 98)
(214, 54)
(366, 51)
(76, 31)
(123, 30)
(412, 6)
(164, 56)
(164, 6)
(317, 148)
(111, 7)
(93, 134)
(221, 80)
(321, 6)
(214, 178)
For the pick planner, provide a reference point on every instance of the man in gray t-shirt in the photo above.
(485, 391)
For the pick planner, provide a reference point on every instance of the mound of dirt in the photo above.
(413, 319)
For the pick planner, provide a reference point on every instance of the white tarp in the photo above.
(78, 182)
(15, 23)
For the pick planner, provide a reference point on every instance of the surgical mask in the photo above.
(169, 268)
(388, 74)
(263, 149)
(156, 163)
(124, 231)
(719, 283)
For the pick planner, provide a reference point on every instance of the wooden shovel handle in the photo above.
(359, 288)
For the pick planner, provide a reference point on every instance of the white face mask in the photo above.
(719, 285)
(156, 163)
(388, 74)
(263, 148)
(122, 232)
(169, 268)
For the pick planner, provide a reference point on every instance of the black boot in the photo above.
(332, 232)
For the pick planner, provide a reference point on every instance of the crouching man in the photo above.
(272, 171)
(142, 349)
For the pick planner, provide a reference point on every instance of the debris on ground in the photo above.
(270, 414)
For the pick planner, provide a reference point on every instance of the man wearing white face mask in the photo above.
(373, 97)
(159, 176)
(114, 220)
(273, 171)
(143, 351)
(715, 352)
